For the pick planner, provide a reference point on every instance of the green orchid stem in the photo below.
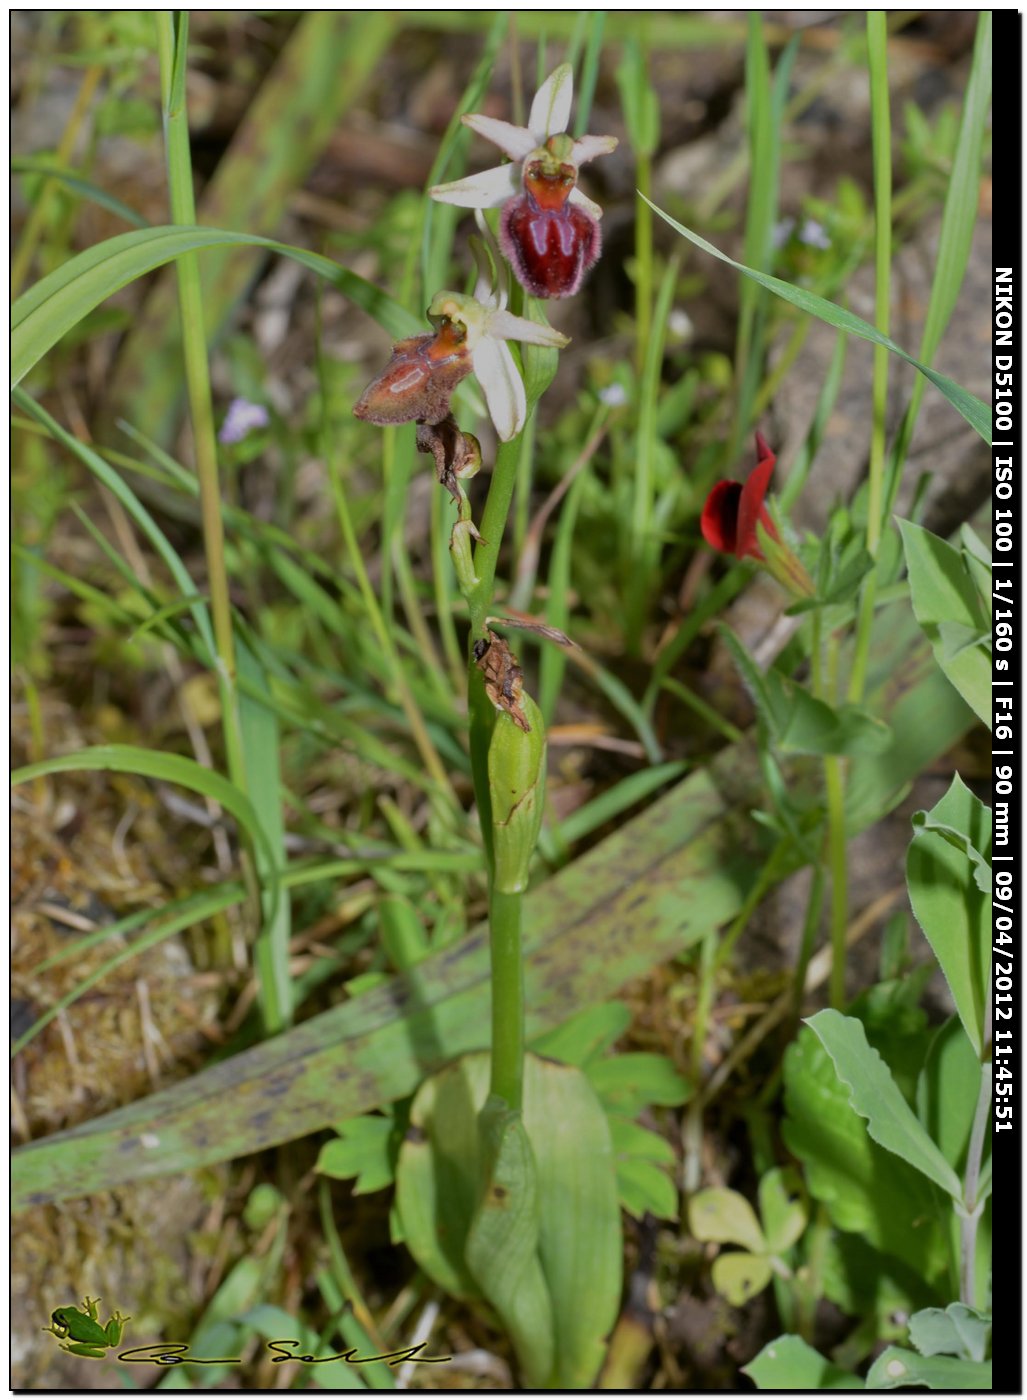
(172, 35)
(880, 111)
(834, 785)
(507, 1080)
(493, 524)
(643, 261)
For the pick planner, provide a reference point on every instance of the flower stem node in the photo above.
(548, 230)
(516, 765)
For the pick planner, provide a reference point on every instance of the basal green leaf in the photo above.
(502, 1250)
(876, 1097)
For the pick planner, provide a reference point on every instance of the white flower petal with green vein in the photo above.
(515, 141)
(488, 190)
(507, 326)
(504, 389)
(551, 109)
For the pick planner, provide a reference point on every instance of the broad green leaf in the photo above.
(573, 1224)
(923, 822)
(502, 1249)
(789, 1363)
(739, 1276)
(875, 1096)
(949, 906)
(976, 413)
(956, 1331)
(865, 1189)
(725, 1217)
(43, 314)
(950, 609)
(274, 1324)
(580, 1226)
(629, 1083)
(897, 1367)
(363, 1150)
(437, 1173)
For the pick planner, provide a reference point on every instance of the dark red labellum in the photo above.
(549, 249)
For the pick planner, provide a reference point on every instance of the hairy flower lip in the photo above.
(733, 509)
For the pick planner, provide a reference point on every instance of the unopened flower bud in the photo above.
(517, 785)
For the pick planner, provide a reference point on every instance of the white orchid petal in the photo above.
(504, 389)
(551, 109)
(504, 325)
(588, 147)
(589, 205)
(487, 190)
(514, 141)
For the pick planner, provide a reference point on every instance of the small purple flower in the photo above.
(242, 419)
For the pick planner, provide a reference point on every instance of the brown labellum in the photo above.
(504, 679)
(418, 382)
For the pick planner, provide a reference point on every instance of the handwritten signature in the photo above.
(177, 1354)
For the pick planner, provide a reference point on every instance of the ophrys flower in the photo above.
(470, 335)
(548, 229)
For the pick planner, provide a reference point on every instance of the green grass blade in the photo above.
(976, 413)
(48, 310)
(84, 188)
(260, 746)
(166, 767)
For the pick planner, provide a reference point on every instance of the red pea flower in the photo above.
(733, 510)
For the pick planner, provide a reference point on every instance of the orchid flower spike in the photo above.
(548, 229)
